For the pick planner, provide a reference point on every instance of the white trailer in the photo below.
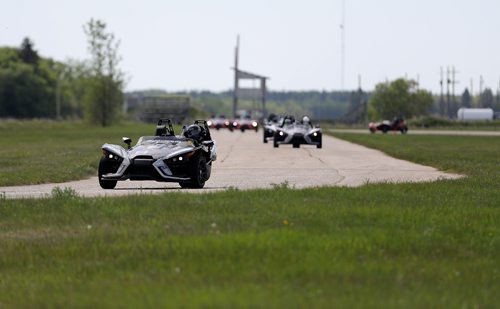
(468, 114)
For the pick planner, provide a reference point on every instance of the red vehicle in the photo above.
(397, 124)
(218, 122)
(245, 123)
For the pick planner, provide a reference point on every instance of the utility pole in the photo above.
(441, 98)
(235, 95)
(448, 81)
(453, 82)
(481, 81)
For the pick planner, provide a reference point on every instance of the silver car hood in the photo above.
(157, 149)
(161, 149)
(299, 129)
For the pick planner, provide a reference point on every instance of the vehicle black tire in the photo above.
(385, 130)
(404, 130)
(372, 130)
(242, 130)
(296, 145)
(104, 168)
(320, 145)
(197, 173)
(265, 138)
(185, 185)
(275, 143)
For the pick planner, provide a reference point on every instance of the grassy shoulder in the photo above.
(34, 152)
(380, 245)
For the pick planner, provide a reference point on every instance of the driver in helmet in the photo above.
(194, 132)
(306, 121)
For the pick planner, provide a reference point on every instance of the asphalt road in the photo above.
(244, 162)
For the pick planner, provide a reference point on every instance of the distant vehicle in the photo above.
(298, 133)
(245, 123)
(186, 158)
(270, 125)
(397, 124)
(218, 122)
(472, 114)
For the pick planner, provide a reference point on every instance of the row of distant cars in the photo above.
(279, 129)
(241, 123)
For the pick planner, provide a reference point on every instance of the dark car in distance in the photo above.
(397, 124)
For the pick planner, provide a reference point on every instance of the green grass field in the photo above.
(33, 152)
(381, 245)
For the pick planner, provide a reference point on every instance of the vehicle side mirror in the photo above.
(128, 141)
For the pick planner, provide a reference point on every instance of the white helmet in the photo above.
(306, 120)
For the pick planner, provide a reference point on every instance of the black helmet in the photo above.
(194, 132)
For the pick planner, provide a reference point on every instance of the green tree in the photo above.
(27, 53)
(104, 95)
(400, 98)
(486, 98)
(466, 99)
(26, 83)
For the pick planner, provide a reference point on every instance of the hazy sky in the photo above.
(189, 44)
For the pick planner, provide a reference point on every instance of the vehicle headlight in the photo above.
(315, 134)
(178, 159)
(209, 123)
(110, 155)
(281, 133)
(235, 123)
(254, 123)
(182, 158)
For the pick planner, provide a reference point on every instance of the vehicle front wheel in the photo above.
(198, 174)
(296, 145)
(105, 168)
(275, 144)
(185, 185)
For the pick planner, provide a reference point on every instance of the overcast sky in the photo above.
(189, 44)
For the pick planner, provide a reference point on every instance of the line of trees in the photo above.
(32, 86)
(324, 105)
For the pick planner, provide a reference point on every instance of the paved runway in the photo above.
(244, 162)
